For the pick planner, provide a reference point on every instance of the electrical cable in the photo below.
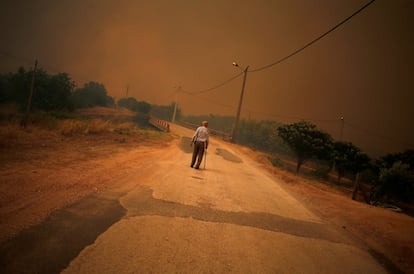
(314, 40)
(214, 87)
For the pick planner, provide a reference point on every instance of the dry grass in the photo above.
(9, 133)
(76, 127)
(108, 123)
(12, 133)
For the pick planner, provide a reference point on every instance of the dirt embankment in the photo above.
(42, 170)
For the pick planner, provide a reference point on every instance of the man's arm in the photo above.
(194, 137)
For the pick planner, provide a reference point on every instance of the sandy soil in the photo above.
(43, 171)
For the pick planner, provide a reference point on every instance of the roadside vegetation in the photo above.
(58, 110)
(58, 105)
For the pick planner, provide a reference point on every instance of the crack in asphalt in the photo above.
(144, 204)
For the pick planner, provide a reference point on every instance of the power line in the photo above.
(314, 40)
(214, 87)
(265, 113)
(289, 55)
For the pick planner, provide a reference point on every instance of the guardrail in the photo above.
(160, 124)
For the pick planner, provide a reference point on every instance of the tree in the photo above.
(218, 122)
(92, 94)
(6, 95)
(128, 103)
(132, 104)
(388, 160)
(349, 158)
(396, 182)
(395, 173)
(19, 87)
(261, 135)
(51, 92)
(306, 141)
(165, 112)
(143, 107)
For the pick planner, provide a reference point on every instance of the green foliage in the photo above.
(394, 177)
(306, 141)
(165, 112)
(16, 87)
(396, 182)
(349, 159)
(320, 169)
(92, 94)
(6, 94)
(142, 120)
(50, 93)
(132, 104)
(387, 161)
(218, 122)
(276, 161)
(261, 135)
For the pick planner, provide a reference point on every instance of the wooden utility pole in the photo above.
(236, 123)
(176, 103)
(29, 103)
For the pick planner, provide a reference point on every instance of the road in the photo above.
(230, 217)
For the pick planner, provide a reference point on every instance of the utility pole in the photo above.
(340, 138)
(29, 103)
(236, 123)
(176, 103)
(127, 89)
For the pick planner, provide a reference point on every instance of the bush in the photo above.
(276, 161)
(396, 182)
(142, 120)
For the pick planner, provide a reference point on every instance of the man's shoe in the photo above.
(197, 167)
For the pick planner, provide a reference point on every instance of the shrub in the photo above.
(72, 127)
(276, 161)
(396, 182)
(97, 126)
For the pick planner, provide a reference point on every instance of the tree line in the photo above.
(58, 92)
(51, 92)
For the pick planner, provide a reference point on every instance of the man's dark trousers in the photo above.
(198, 152)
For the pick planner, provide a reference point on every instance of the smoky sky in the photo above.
(363, 71)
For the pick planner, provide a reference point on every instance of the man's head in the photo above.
(204, 123)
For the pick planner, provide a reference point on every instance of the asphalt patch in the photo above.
(228, 155)
(50, 246)
(185, 144)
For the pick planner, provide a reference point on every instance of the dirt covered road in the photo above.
(238, 215)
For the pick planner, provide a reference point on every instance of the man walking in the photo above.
(200, 141)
